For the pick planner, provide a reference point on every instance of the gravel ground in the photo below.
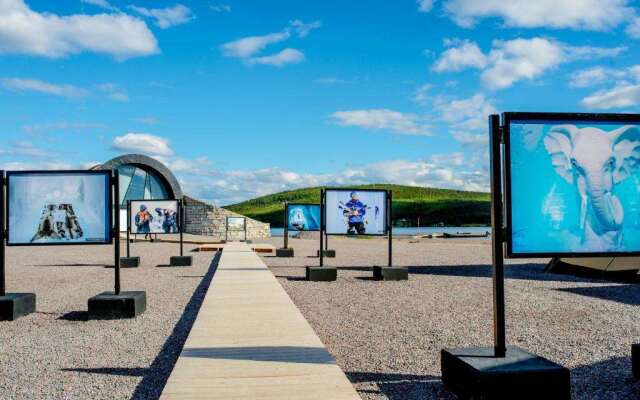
(57, 354)
(387, 336)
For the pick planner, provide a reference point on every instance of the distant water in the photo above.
(412, 231)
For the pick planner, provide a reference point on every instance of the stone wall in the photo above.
(208, 220)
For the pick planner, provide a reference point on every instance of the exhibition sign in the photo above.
(355, 212)
(154, 216)
(236, 224)
(303, 217)
(572, 184)
(59, 207)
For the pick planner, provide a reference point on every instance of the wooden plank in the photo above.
(250, 341)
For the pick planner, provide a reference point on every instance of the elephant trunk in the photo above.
(606, 207)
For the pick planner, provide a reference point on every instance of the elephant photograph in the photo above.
(574, 187)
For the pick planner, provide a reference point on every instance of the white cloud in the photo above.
(594, 76)
(247, 47)
(518, 59)
(114, 92)
(24, 31)
(596, 15)
(284, 57)
(465, 55)
(420, 95)
(425, 5)
(633, 29)
(382, 119)
(220, 7)
(62, 126)
(35, 85)
(468, 114)
(331, 80)
(100, 3)
(451, 170)
(622, 95)
(302, 28)
(166, 17)
(143, 143)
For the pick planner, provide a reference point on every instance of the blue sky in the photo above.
(243, 98)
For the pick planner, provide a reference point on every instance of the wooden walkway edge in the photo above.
(250, 341)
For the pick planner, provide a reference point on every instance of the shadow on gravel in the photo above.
(532, 272)
(608, 379)
(110, 371)
(73, 265)
(402, 386)
(289, 354)
(155, 377)
(625, 294)
(75, 316)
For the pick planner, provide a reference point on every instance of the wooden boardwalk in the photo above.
(250, 341)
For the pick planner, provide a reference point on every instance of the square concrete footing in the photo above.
(635, 360)
(108, 305)
(321, 274)
(284, 252)
(475, 373)
(329, 253)
(181, 261)
(16, 305)
(390, 273)
(129, 262)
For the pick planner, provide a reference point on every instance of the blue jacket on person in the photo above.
(355, 205)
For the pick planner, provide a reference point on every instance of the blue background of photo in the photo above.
(545, 207)
(308, 213)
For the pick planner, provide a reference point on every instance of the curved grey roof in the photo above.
(146, 163)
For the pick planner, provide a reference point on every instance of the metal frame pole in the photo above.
(128, 226)
(390, 226)
(499, 325)
(181, 224)
(322, 225)
(3, 281)
(286, 224)
(116, 208)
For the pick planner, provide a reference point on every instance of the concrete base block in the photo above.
(474, 373)
(390, 273)
(327, 253)
(284, 252)
(635, 360)
(129, 262)
(16, 305)
(181, 261)
(108, 305)
(322, 274)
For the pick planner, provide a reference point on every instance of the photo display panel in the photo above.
(59, 207)
(154, 216)
(236, 223)
(303, 217)
(356, 212)
(573, 185)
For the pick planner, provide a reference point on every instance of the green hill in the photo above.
(430, 206)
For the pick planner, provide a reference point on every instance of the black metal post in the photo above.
(326, 241)
(226, 229)
(128, 227)
(286, 224)
(322, 225)
(390, 227)
(116, 209)
(499, 326)
(181, 224)
(3, 285)
(245, 229)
